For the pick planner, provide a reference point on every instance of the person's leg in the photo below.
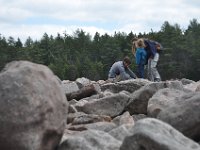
(138, 71)
(118, 78)
(156, 74)
(157, 77)
(149, 70)
(141, 71)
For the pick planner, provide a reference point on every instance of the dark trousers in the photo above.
(140, 71)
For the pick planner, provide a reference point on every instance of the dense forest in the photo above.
(81, 55)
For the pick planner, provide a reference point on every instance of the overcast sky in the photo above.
(23, 18)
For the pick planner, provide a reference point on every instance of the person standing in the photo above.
(141, 58)
(134, 46)
(153, 74)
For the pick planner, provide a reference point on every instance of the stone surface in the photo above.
(163, 99)
(153, 134)
(139, 99)
(184, 115)
(33, 107)
(111, 105)
(90, 140)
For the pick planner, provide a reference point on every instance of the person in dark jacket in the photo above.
(152, 49)
(153, 74)
(120, 71)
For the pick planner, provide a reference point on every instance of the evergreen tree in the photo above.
(79, 55)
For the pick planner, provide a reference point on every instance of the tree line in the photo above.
(81, 55)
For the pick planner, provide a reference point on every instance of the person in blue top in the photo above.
(141, 58)
(120, 71)
(152, 49)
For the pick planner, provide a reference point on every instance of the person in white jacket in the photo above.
(153, 73)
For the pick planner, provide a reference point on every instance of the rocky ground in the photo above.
(38, 111)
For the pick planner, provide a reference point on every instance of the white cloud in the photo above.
(32, 18)
(37, 31)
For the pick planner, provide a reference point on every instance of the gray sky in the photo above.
(23, 18)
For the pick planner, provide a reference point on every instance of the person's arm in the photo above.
(156, 57)
(123, 73)
(132, 75)
(133, 49)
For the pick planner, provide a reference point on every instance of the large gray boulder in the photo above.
(128, 85)
(102, 126)
(186, 81)
(79, 89)
(184, 115)
(121, 132)
(70, 86)
(90, 140)
(139, 99)
(163, 99)
(33, 107)
(111, 105)
(192, 86)
(153, 134)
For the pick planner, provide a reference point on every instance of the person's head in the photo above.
(140, 43)
(126, 61)
(134, 39)
(158, 47)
